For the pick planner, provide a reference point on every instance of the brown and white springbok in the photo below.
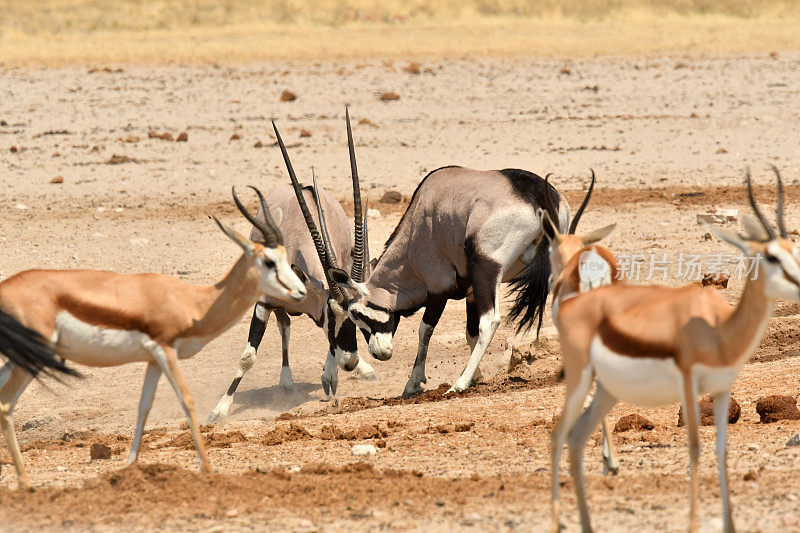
(306, 253)
(99, 318)
(654, 346)
(464, 233)
(579, 265)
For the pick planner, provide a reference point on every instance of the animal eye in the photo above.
(771, 258)
(269, 263)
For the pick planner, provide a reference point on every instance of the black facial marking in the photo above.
(373, 325)
(345, 338)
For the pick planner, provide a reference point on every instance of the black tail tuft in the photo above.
(27, 349)
(530, 289)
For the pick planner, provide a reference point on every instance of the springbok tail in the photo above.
(530, 289)
(27, 349)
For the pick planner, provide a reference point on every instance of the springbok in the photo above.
(464, 233)
(654, 346)
(579, 264)
(307, 254)
(99, 318)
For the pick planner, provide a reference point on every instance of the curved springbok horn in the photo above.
(548, 203)
(357, 270)
(268, 216)
(272, 237)
(779, 209)
(574, 224)
(756, 210)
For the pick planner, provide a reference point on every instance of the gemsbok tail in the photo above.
(530, 288)
(27, 349)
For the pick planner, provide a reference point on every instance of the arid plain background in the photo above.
(668, 102)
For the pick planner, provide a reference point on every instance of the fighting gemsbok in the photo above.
(307, 254)
(464, 233)
(653, 346)
(99, 318)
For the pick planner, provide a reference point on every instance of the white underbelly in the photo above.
(645, 381)
(91, 345)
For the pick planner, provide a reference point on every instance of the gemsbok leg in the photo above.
(434, 306)
(258, 325)
(16, 383)
(486, 278)
(285, 325)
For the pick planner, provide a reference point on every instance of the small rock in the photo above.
(794, 441)
(166, 136)
(391, 197)
(706, 404)
(235, 137)
(182, 137)
(61, 468)
(721, 151)
(288, 96)
(718, 215)
(21, 207)
(373, 213)
(258, 144)
(232, 513)
(305, 133)
(363, 450)
(367, 122)
(412, 68)
(40, 421)
(752, 475)
(753, 447)
(633, 421)
(139, 241)
(777, 407)
(14, 149)
(390, 96)
(57, 179)
(100, 451)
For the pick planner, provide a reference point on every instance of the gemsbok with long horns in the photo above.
(307, 254)
(654, 346)
(464, 233)
(99, 318)
(579, 265)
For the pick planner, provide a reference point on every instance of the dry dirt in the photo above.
(668, 138)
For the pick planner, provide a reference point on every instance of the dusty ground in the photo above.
(668, 138)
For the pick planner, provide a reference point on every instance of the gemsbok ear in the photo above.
(598, 234)
(277, 216)
(730, 237)
(236, 237)
(753, 228)
(343, 279)
(296, 269)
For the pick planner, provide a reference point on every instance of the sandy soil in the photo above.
(668, 138)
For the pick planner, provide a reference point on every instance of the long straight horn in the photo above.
(271, 238)
(574, 224)
(298, 192)
(779, 209)
(268, 216)
(357, 270)
(367, 260)
(759, 215)
(330, 257)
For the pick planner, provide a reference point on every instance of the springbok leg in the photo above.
(9, 394)
(151, 377)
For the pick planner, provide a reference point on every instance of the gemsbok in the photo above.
(654, 346)
(464, 233)
(578, 265)
(98, 318)
(306, 252)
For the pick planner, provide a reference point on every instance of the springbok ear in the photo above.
(548, 227)
(598, 234)
(299, 272)
(753, 228)
(730, 237)
(277, 216)
(236, 237)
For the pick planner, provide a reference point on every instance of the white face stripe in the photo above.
(788, 260)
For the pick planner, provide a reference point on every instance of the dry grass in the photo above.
(58, 32)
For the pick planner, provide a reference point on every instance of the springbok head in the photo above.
(563, 246)
(777, 259)
(276, 278)
(341, 329)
